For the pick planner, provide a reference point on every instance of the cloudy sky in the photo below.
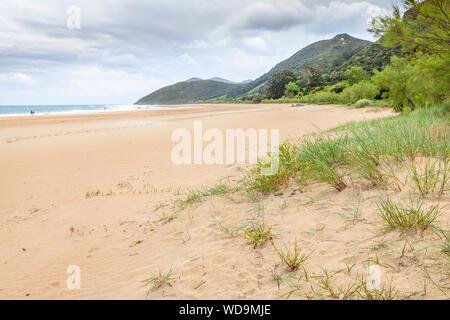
(116, 51)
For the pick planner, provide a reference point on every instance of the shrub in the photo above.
(292, 90)
(363, 103)
(339, 87)
(257, 99)
(258, 234)
(355, 75)
(325, 97)
(361, 90)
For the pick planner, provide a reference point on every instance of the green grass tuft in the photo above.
(412, 219)
(291, 257)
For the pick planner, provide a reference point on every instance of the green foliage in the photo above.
(422, 77)
(410, 85)
(339, 87)
(372, 57)
(277, 84)
(311, 79)
(292, 90)
(423, 28)
(258, 234)
(355, 75)
(322, 97)
(361, 90)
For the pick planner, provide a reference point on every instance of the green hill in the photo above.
(325, 55)
(187, 92)
(372, 57)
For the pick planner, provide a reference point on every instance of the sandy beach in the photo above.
(95, 191)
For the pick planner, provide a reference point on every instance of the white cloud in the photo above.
(16, 78)
(128, 48)
(256, 43)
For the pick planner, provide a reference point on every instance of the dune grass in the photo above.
(292, 258)
(195, 196)
(412, 219)
(433, 177)
(159, 280)
(367, 151)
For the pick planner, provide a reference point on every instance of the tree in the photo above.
(422, 77)
(292, 90)
(423, 28)
(355, 75)
(409, 85)
(311, 78)
(278, 82)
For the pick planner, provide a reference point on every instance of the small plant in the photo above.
(258, 234)
(159, 280)
(185, 237)
(93, 194)
(167, 217)
(195, 196)
(412, 219)
(384, 293)
(429, 179)
(345, 293)
(291, 258)
(446, 249)
(294, 286)
(363, 103)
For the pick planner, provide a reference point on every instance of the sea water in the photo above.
(69, 109)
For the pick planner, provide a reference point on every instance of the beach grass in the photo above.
(291, 257)
(159, 280)
(367, 150)
(412, 219)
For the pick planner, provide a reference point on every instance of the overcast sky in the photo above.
(121, 50)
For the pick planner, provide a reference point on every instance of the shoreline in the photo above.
(79, 112)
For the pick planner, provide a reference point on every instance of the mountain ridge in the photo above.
(329, 56)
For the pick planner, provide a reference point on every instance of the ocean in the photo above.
(6, 111)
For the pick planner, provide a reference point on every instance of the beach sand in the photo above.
(93, 191)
